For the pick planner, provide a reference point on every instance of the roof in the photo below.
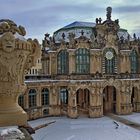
(80, 24)
(77, 24)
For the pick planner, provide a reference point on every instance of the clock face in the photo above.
(109, 55)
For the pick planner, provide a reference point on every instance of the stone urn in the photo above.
(17, 56)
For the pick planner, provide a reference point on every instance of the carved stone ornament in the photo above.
(17, 55)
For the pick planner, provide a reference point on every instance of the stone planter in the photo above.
(17, 55)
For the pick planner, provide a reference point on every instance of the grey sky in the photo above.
(41, 16)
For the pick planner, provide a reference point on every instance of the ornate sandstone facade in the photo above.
(87, 76)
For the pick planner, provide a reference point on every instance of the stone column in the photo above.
(72, 105)
(54, 101)
(71, 62)
(137, 104)
(126, 106)
(95, 109)
(17, 55)
(118, 101)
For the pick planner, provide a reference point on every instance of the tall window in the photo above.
(110, 61)
(45, 96)
(21, 100)
(64, 96)
(62, 62)
(134, 61)
(32, 98)
(82, 61)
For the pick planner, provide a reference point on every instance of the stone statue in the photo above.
(46, 41)
(100, 40)
(97, 20)
(7, 25)
(111, 38)
(17, 55)
(134, 36)
(71, 40)
(100, 20)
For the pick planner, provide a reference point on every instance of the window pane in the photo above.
(82, 61)
(32, 98)
(62, 62)
(134, 61)
(45, 97)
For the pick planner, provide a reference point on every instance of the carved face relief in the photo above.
(8, 42)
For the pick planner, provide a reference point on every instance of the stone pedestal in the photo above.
(12, 116)
(17, 56)
(126, 108)
(95, 111)
(55, 110)
(72, 112)
(137, 106)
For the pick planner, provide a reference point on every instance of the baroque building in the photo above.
(88, 69)
(35, 70)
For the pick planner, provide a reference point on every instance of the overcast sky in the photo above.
(41, 16)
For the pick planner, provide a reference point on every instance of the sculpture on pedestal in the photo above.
(17, 55)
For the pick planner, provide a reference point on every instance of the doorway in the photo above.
(82, 96)
(109, 99)
(134, 98)
(64, 101)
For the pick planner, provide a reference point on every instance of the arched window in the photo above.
(32, 98)
(62, 62)
(45, 96)
(64, 96)
(109, 61)
(82, 56)
(21, 100)
(134, 61)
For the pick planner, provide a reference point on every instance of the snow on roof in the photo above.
(80, 24)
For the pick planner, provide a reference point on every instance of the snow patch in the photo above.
(11, 134)
(84, 129)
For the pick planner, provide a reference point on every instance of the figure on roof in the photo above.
(63, 36)
(109, 11)
(134, 36)
(100, 20)
(46, 41)
(82, 32)
(97, 20)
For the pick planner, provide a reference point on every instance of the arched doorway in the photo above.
(134, 97)
(82, 96)
(109, 99)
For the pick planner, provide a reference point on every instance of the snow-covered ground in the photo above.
(135, 117)
(83, 129)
